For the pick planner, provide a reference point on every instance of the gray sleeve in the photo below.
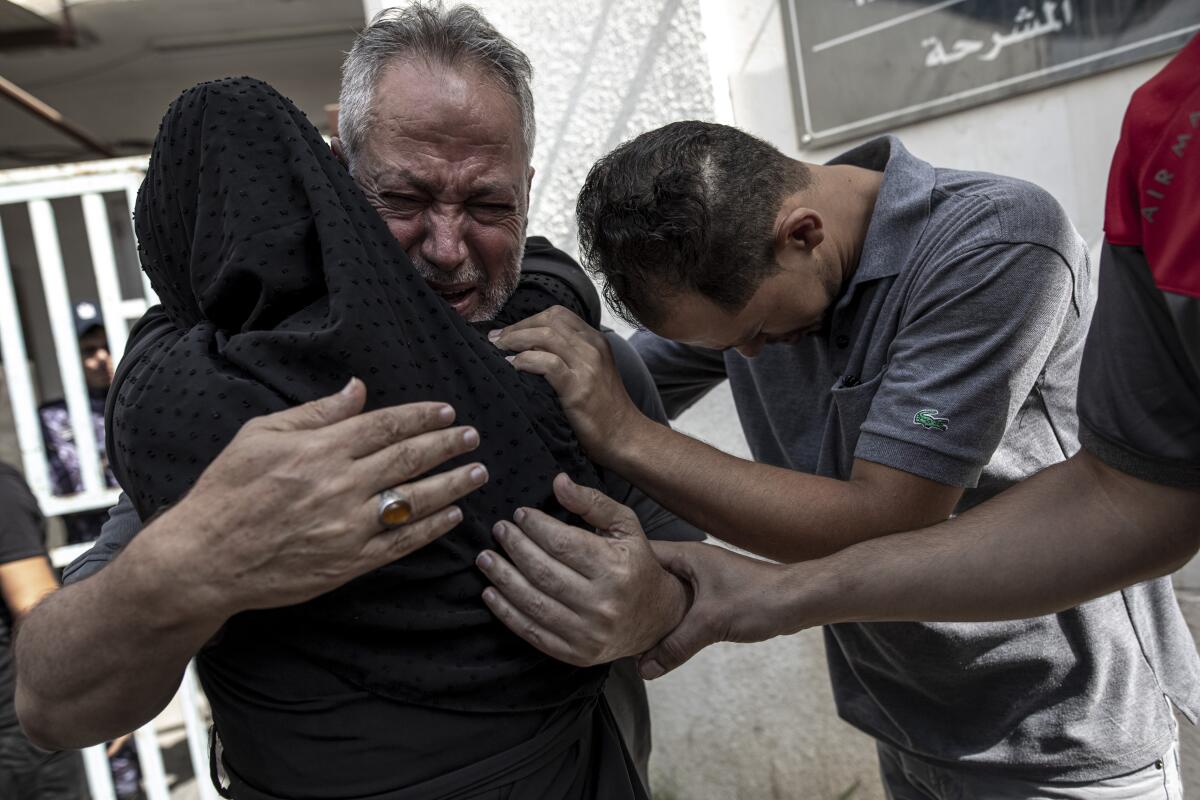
(968, 352)
(682, 374)
(119, 529)
(657, 522)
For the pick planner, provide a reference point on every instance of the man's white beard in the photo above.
(493, 294)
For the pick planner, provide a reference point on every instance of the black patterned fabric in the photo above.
(281, 283)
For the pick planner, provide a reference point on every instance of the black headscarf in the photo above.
(281, 282)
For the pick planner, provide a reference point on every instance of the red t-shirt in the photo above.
(1154, 186)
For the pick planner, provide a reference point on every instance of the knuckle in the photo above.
(671, 652)
(530, 632)
(608, 613)
(400, 542)
(450, 443)
(557, 547)
(403, 461)
(389, 425)
(429, 415)
(542, 576)
(497, 574)
(536, 608)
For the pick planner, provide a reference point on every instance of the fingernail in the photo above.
(651, 670)
(499, 531)
(446, 414)
(510, 359)
(348, 389)
(484, 559)
(479, 474)
(489, 594)
(518, 515)
(495, 334)
(471, 437)
(455, 515)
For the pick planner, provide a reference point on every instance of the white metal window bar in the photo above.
(35, 188)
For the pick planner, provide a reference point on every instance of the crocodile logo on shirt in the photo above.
(928, 419)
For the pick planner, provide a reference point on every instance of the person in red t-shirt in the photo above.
(1124, 509)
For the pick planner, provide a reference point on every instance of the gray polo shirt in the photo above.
(953, 354)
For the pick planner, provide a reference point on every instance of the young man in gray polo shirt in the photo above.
(902, 342)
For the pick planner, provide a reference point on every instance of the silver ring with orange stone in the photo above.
(394, 508)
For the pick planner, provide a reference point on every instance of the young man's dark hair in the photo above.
(689, 206)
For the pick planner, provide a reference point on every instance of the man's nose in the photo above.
(443, 245)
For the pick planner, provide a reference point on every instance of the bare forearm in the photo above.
(100, 658)
(1073, 532)
(777, 513)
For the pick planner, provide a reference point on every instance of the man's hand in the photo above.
(577, 362)
(734, 599)
(580, 597)
(289, 510)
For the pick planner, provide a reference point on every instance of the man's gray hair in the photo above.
(427, 30)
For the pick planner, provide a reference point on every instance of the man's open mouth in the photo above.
(460, 298)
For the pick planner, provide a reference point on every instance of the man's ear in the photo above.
(335, 144)
(529, 182)
(799, 227)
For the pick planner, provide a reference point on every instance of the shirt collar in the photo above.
(901, 209)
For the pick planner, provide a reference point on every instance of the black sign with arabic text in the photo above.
(863, 66)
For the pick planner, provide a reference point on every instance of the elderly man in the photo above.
(440, 140)
(902, 342)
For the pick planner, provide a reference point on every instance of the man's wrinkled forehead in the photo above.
(457, 110)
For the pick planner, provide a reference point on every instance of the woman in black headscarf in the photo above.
(280, 282)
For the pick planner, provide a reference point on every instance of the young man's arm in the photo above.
(973, 346)
(1075, 531)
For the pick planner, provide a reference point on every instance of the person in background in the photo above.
(62, 453)
(26, 771)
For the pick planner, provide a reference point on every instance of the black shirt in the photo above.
(22, 535)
